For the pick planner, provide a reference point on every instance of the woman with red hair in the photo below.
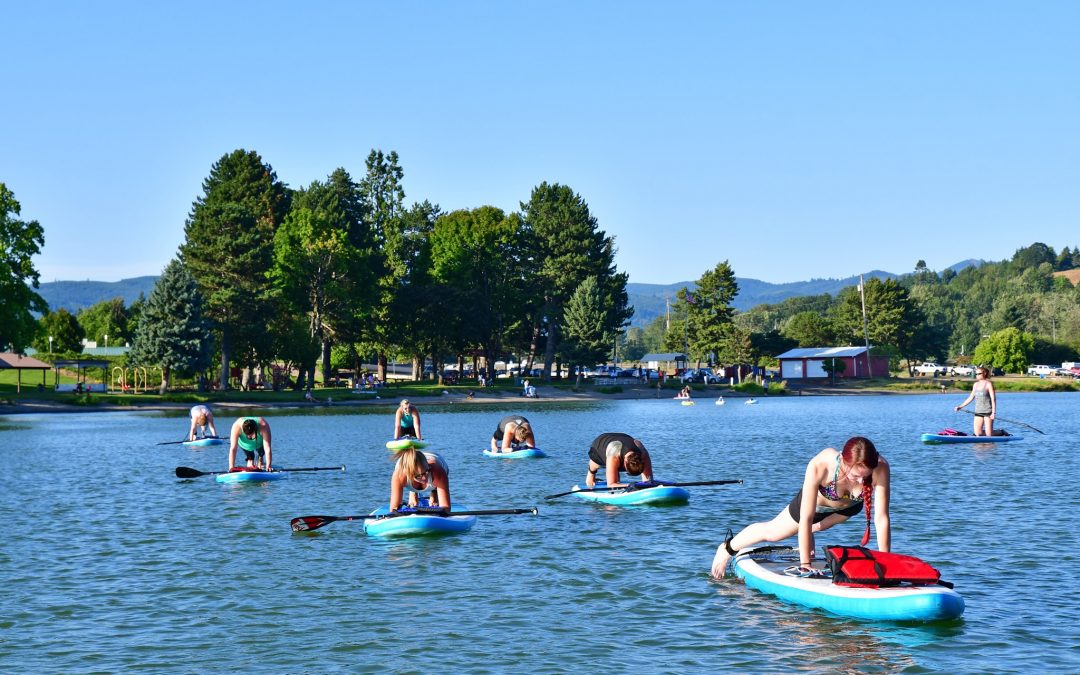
(836, 486)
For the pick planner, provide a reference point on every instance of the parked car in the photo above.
(700, 376)
(1041, 371)
(930, 368)
(962, 371)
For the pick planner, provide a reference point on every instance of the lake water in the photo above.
(109, 563)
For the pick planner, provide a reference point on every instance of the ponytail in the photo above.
(868, 497)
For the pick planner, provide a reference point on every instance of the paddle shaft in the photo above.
(188, 440)
(656, 484)
(308, 523)
(188, 472)
(1008, 421)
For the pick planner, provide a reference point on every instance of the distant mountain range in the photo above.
(649, 300)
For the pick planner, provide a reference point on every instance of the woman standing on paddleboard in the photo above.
(982, 392)
(512, 430)
(836, 486)
(407, 421)
(420, 474)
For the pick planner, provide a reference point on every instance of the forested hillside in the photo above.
(1007, 314)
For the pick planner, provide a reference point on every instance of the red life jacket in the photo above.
(858, 566)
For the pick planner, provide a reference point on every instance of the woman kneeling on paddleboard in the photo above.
(202, 421)
(407, 421)
(836, 486)
(512, 430)
(615, 452)
(420, 474)
(252, 435)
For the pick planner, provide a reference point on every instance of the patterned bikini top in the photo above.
(828, 491)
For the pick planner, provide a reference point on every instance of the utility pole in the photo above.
(865, 326)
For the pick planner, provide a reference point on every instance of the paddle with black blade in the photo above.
(188, 472)
(308, 523)
(186, 440)
(1008, 421)
(643, 485)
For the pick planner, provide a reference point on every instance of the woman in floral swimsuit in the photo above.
(836, 486)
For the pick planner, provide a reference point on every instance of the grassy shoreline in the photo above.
(32, 400)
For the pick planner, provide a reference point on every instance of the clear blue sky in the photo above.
(795, 139)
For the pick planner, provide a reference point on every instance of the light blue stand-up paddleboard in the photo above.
(651, 496)
(523, 453)
(949, 438)
(405, 443)
(252, 476)
(763, 569)
(203, 442)
(416, 524)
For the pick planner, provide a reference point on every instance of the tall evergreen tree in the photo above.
(20, 241)
(567, 246)
(173, 331)
(709, 310)
(317, 268)
(588, 320)
(382, 199)
(480, 255)
(228, 248)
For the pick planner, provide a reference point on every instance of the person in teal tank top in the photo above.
(252, 435)
(407, 421)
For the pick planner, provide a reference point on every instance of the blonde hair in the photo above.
(200, 420)
(522, 432)
(411, 462)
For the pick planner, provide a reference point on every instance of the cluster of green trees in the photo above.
(1008, 315)
(342, 269)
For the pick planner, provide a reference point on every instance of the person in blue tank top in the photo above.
(982, 392)
(836, 486)
(202, 421)
(615, 452)
(511, 432)
(252, 435)
(407, 421)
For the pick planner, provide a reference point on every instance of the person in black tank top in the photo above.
(615, 452)
(512, 431)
